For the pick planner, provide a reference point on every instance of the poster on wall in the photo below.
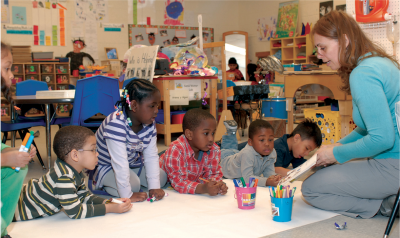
(287, 19)
(174, 12)
(5, 12)
(141, 63)
(19, 15)
(49, 24)
(325, 8)
(266, 28)
(341, 7)
(94, 8)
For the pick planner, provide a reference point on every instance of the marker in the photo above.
(252, 181)
(256, 183)
(204, 180)
(236, 183)
(294, 190)
(26, 144)
(243, 182)
(152, 199)
(239, 182)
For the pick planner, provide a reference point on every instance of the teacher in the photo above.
(364, 187)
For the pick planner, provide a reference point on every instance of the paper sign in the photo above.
(141, 62)
(179, 97)
(180, 33)
(151, 30)
(193, 86)
(18, 29)
(19, 15)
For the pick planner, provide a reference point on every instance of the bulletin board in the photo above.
(139, 34)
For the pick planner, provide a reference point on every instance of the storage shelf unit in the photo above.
(56, 75)
(291, 47)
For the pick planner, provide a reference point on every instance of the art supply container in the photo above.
(281, 209)
(297, 67)
(246, 197)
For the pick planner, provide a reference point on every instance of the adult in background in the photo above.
(358, 188)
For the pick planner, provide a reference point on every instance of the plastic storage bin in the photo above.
(274, 107)
(329, 122)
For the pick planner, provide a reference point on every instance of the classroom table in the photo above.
(41, 100)
(167, 83)
(330, 79)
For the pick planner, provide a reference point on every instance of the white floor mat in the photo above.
(178, 215)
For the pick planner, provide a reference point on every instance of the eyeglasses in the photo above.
(80, 150)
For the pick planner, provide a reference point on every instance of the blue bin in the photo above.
(274, 107)
(160, 116)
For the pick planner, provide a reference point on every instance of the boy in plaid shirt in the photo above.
(194, 155)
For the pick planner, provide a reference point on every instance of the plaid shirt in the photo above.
(184, 170)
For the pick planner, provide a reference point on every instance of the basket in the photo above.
(329, 122)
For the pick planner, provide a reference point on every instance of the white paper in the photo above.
(151, 30)
(141, 62)
(77, 29)
(297, 172)
(179, 97)
(179, 215)
(180, 33)
(193, 86)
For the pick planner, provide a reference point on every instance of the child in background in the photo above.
(234, 68)
(194, 155)
(11, 181)
(292, 148)
(258, 157)
(127, 142)
(63, 187)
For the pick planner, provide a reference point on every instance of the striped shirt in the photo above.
(61, 187)
(121, 149)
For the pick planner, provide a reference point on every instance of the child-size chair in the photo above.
(97, 94)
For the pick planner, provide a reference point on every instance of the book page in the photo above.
(297, 172)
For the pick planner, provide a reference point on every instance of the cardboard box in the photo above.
(229, 92)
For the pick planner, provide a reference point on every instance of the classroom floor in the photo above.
(365, 228)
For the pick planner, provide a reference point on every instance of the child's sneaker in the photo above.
(231, 127)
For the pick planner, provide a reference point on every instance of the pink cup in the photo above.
(246, 197)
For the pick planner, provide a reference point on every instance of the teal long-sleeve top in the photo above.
(375, 88)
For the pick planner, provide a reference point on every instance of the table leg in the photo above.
(167, 116)
(289, 109)
(48, 133)
(213, 98)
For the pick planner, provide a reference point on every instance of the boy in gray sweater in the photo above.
(256, 158)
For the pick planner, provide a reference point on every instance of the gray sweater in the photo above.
(248, 163)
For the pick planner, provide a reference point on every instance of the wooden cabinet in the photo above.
(294, 49)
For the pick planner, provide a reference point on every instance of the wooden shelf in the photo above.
(289, 53)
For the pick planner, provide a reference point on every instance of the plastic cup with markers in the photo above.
(245, 193)
(282, 203)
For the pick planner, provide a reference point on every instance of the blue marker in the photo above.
(236, 183)
(25, 148)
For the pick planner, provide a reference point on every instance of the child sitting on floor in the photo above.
(11, 180)
(256, 158)
(63, 187)
(194, 155)
(292, 148)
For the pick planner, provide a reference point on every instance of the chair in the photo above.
(127, 81)
(22, 126)
(97, 94)
(29, 87)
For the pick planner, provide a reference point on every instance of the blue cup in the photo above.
(281, 209)
(297, 67)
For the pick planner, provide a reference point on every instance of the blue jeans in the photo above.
(230, 146)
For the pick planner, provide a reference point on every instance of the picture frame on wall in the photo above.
(111, 53)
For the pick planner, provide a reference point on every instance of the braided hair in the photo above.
(5, 49)
(138, 89)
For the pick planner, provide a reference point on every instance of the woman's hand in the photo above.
(14, 158)
(32, 153)
(325, 155)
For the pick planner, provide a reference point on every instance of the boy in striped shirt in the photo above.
(64, 185)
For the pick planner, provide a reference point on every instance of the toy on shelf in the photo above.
(32, 77)
(62, 79)
(47, 78)
(62, 69)
(191, 61)
(16, 79)
(17, 69)
(77, 56)
(31, 69)
(372, 10)
(47, 69)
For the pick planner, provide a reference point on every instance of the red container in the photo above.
(177, 118)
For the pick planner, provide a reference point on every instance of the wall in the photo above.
(212, 12)
(253, 10)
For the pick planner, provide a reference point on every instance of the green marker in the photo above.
(243, 182)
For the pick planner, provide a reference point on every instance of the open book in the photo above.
(297, 172)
